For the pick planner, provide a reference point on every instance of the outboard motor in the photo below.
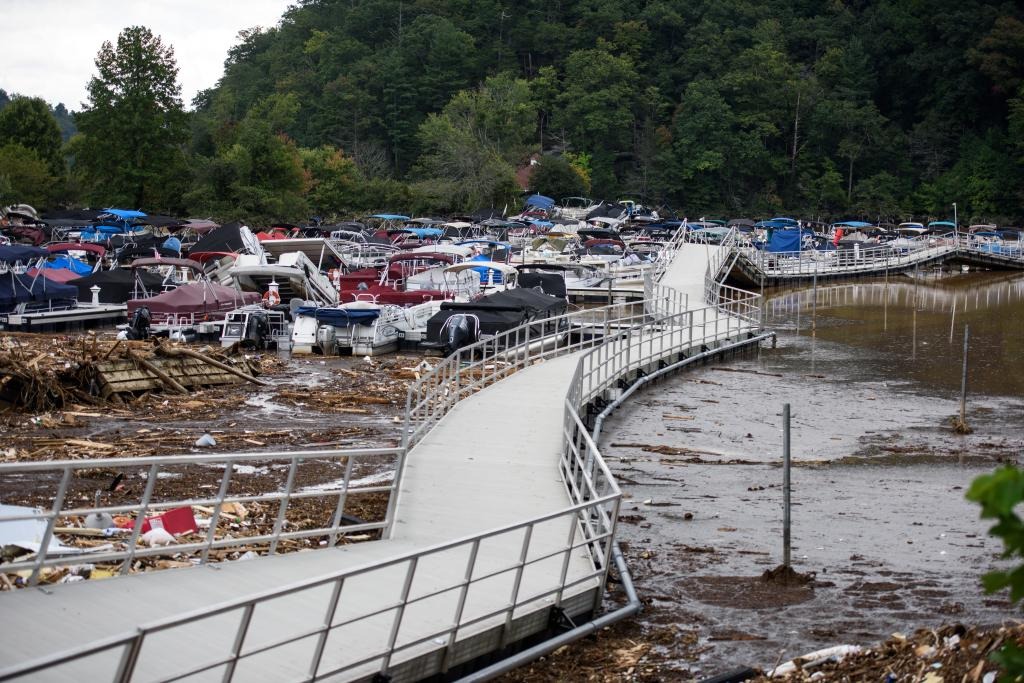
(462, 329)
(327, 339)
(138, 326)
(256, 330)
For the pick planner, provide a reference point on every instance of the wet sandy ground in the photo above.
(879, 513)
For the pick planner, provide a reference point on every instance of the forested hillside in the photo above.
(870, 109)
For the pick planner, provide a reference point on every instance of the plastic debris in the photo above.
(206, 441)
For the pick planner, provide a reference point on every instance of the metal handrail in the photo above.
(66, 476)
(885, 255)
(630, 337)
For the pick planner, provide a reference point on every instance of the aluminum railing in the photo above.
(876, 257)
(485, 362)
(617, 340)
(297, 475)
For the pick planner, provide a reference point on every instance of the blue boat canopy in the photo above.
(125, 214)
(70, 263)
(421, 233)
(539, 201)
(340, 317)
(12, 253)
(791, 240)
(390, 217)
(786, 220)
(853, 224)
(942, 224)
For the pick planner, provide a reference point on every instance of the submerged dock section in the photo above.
(500, 524)
(756, 267)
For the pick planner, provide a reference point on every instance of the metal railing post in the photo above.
(211, 532)
(283, 508)
(396, 625)
(44, 545)
(140, 518)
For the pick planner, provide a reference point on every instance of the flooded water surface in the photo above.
(879, 515)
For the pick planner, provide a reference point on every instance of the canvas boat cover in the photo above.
(197, 298)
(790, 240)
(18, 289)
(117, 285)
(13, 253)
(539, 201)
(500, 311)
(54, 274)
(230, 238)
(552, 284)
(340, 317)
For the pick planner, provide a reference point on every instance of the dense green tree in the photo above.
(332, 181)
(257, 172)
(556, 177)
(24, 177)
(27, 121)
(469, 147)
(130, 147)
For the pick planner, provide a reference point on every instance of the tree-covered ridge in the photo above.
(880, 110)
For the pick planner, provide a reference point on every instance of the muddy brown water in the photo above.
(879, 515)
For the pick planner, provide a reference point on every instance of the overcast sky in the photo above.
(49, 46)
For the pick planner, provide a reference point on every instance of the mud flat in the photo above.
(880, 523)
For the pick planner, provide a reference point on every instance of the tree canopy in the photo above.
(129, 150)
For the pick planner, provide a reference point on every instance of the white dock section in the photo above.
(491, 462)
(686, 272)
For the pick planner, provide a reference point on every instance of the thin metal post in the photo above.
(524, 552)
(126, 667)
(44, 546)
(461, 605)
(279, 522)
(400, 612)
(236, 648)
(952, 322)
(332, 607)
(340, 509)
(141, 516)
(211, 532)
(785, 486)
(814, 304)
(963, 379)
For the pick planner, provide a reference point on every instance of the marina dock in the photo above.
(503, 526)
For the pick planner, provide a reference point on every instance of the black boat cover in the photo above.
(117, 286)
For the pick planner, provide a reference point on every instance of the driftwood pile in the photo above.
(39, 378)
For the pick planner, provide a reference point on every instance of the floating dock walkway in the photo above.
(501, 524)
(755, 268)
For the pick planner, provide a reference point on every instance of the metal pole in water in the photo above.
(785, 485)
(814, 303)
(963, 379)
(952, 321)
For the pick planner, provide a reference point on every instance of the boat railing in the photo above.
(141, 499)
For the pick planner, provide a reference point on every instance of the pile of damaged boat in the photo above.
(362, 287)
